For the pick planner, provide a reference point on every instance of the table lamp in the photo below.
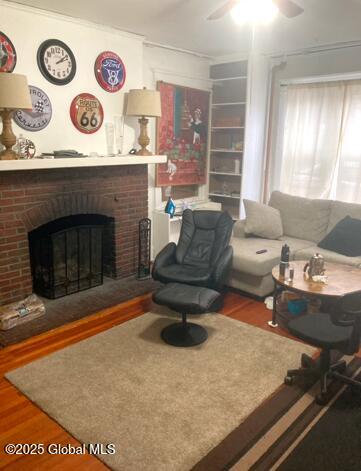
(144, 103)
(14, 95)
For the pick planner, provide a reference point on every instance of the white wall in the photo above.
(322, 63)
(28, 28)
(180, 68)
(145, 65)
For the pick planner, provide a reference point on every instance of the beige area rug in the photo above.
(163, 407)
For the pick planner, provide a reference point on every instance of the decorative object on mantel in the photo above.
(183, 140)
(25, 148)
(145, 226)
(119, 133)
(39, 116)
(62, 154)
(14, 95)
(86, 113)
(17, 313)
(110, 71)
(144, 103)
(7, 54)
(56, 62)
(109, 136)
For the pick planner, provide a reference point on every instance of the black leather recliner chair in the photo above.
(203, 256)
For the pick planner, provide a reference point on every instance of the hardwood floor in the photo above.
(23, 422)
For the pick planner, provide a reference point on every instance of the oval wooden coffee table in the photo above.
(341, 279)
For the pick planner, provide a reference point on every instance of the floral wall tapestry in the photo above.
(182, 134)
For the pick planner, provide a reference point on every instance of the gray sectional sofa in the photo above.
(305, 223)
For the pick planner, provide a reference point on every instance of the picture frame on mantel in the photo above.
(182, 135)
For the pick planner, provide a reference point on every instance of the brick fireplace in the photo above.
(32, 198)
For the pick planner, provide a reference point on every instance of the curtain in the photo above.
(347, 183)
(313, 126)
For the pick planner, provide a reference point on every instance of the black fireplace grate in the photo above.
(67, 256)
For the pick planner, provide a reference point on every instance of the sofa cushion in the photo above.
(246, 260)
(333, 257)
(340, 209)
(262, 220)
(345, 238)
(302, 218)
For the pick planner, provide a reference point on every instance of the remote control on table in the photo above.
(261, 251)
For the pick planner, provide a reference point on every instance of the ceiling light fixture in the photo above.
(254, 11)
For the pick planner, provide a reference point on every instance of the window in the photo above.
(320, 140)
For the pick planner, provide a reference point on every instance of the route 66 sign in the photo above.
(86, 113)
(110, 71)
(39, 117)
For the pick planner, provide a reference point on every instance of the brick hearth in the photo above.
(29, 199)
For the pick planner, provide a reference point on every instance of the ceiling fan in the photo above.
(287, 7)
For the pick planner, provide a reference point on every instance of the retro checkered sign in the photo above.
(39, 117)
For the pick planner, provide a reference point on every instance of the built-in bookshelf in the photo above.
(228, 121)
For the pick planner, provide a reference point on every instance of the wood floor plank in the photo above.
(21, 421)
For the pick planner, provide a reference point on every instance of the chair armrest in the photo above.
(165, 257)
(239, 229)
(222, 269)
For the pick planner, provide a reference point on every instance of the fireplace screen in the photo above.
(66, 255)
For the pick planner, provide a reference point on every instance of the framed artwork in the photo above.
(182, 134)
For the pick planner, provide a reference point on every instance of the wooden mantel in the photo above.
(48, 164)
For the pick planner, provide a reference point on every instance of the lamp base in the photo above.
(143, 152)
(143, 139)
(8, 154)
(7, 138)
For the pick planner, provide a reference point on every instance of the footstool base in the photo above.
(180, 335)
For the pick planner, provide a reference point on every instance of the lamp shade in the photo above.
(14, 92)
(144, 102)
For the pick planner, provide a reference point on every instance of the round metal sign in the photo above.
(110, 71)
(86, 113)
(39, 117)
(7, 54)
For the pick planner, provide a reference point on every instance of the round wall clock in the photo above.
(39, 117)
(7, 54)
(86, 113)
(56, 62)
(109, 71)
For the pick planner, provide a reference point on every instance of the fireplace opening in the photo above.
(67, 254)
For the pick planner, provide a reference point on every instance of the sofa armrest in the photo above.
(222, 269)
(239, 228)
(165, 257)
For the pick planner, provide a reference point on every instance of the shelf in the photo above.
(226, 128)
(48, 164)
(226, 173)
(228, 150)
(238, 77)
(235, 103)
(224, 196)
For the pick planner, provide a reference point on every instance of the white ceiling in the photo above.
(183, 24)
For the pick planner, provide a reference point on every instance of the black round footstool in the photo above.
(186, 299)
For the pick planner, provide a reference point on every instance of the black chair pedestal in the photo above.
(184, 334)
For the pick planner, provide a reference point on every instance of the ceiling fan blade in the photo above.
(223, 10)
(288, 8)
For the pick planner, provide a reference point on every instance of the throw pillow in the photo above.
(262, 220)
(345, 238)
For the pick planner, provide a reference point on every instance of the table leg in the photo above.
(276, 291)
